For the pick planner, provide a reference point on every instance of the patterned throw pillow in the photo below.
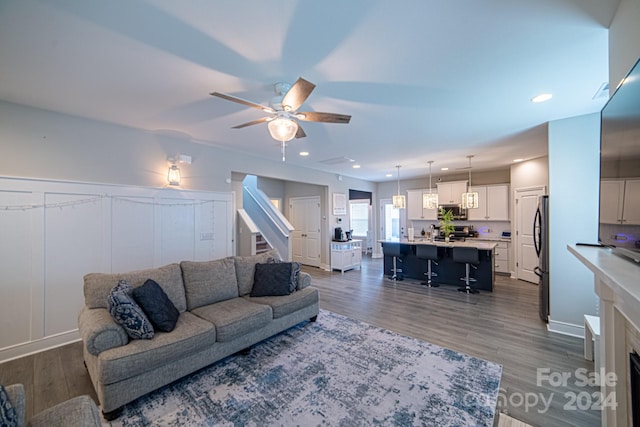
(8, 416)
(127, 313)
(295, 272)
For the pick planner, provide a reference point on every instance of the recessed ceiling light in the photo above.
(444, 169)
(356, 166)
(304, 153)
(542, 97)
(389, 175)
(518, 160)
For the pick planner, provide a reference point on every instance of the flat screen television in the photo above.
(620, 168)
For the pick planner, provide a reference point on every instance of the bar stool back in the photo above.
(430, 253)
(471, 258)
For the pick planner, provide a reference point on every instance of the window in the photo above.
(359, 217)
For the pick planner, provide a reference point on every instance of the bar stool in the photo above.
(430, 253)
(471, 258)
(395, 250)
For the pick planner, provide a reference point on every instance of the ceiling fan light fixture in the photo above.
(283, 129)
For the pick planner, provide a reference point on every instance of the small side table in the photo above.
(592, 341)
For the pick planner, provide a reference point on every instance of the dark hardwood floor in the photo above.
(502, 327)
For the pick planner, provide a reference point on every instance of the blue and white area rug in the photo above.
(335, 372)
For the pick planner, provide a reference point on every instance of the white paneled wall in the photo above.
(53, 233)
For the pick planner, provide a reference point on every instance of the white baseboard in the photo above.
(31, 347)
(566, 328)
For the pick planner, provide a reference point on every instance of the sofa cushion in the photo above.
(157, 306)
(127, 313)
(235, 317)
(98, 285)
(190, 335)
(245, 270)
(272, 280)
(288, 304)
(207, 282)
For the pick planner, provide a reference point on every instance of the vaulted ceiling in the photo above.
(422, 79)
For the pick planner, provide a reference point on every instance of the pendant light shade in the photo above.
(430, 201)
(398, 200)
(470, 199)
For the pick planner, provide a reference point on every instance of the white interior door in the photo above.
(526, 257)
(304, 215)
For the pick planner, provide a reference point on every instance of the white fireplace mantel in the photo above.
(617, 283)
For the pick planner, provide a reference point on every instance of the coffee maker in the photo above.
(338, 234)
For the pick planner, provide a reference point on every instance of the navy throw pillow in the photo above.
(272, 279)
(295, 271)
(157, 306)
(8, 416)
(127, 313)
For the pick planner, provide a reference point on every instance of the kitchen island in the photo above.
(449, 272)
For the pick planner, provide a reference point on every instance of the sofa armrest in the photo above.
(17, 399)
(99, 332)
(304, 280)
(79, 411)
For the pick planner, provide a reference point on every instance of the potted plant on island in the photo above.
(446, 223)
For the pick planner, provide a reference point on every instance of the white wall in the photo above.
(624, 33)
(574, 158)
(37, 143)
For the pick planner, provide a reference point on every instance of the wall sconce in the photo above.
(173, 176)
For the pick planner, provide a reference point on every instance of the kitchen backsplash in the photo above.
(487, 229)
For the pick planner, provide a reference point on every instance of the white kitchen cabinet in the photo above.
(346, 255)
(415, 211)
(631, 209)
(501, 255)
(493, 203)
(450, 193)
(620, 201)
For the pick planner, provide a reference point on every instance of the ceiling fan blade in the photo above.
(300, 133)
(243, 102)
(298, 93)
(312, 116)
(254, 122)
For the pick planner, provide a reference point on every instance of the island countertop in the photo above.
(469, 243)
(448, 271)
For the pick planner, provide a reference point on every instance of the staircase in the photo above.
(261, 245)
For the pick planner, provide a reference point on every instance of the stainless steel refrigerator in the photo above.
(541, 243)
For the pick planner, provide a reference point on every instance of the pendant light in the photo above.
(430, 201)
(470, 198)
(398, 201)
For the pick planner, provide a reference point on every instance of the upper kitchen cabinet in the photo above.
(493, 203)
(450, 193)
(415, 211)
(620, 202)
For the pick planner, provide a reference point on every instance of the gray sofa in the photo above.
(81, 411)
(218, 317)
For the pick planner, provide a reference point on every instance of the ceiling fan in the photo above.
(283, 111)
